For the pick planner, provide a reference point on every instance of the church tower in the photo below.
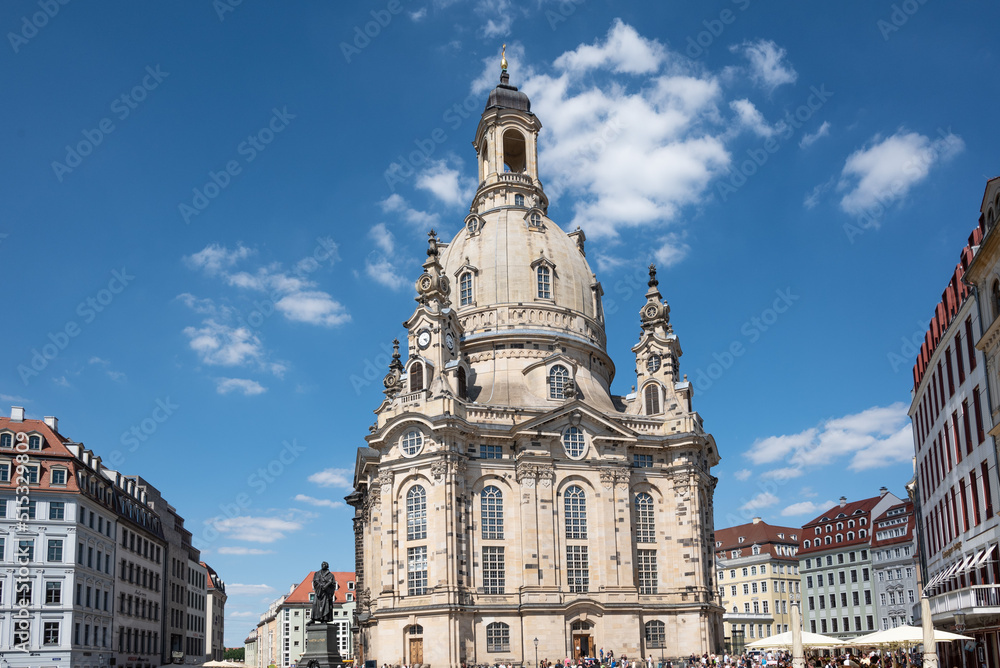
(504, 494)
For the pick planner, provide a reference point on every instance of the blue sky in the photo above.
(201, 211)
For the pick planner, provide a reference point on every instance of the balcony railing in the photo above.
(978, 596)
(515, 177)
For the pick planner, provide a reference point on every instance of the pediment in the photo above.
(587, 414)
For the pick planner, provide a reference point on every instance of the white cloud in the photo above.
(62, 381)
(343, 478)
(810, 139)
(235, 589)
(223, 345)
(623, 51)
(445, 183)
(806, 508)
(768, 68)
(419, 15)
(671, 251)
(247, 387)
(743, 474)
(762, 500)
(254, 529)
(244, 551)
(314, 307)
(750, 118)
(378, 266)
(782, 474)
(886, 169)
(242, 614)
(202, 306)
(322, 503)
(422, 220)
(383, 238)
(499, 15)
(14, 398)
(215, 258)
(877, 437)
(633, 154)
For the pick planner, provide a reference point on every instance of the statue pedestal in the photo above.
(322, 647)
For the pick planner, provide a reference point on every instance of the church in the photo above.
(508, 507)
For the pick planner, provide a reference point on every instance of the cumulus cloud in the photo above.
(343, 478)
(809, 139)
(255, 529)
(214, 258)
(380, 265)
(395, 203)
(887, 168)
(321, 503)
(782, 474)
(768, 67)
(622, 51)
(762, 500)
(247, 388)
(749, 117)
(445, 183)
(236, 589)
(244, 551)
(806, 508)
(743, 474)
(877, 437)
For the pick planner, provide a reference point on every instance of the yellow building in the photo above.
(758, 574)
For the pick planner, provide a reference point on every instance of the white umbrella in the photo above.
(905, 635)
(785, 640)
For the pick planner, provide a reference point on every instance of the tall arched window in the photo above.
(416, 513)
(576, 512)
(558, 376)
(497, 637)
(652, 399)
(656, 634)
(645, 524)
(492, 507)
(416, 377)
(463, 386)
(544, 283)
(465, 288)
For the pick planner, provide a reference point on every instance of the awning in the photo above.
(986, 556)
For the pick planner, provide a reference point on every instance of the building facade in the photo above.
(215, 615)
(505, 494)
(758, 575)
(835, 565)
(894, 565)
(954, 413)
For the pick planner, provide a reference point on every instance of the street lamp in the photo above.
(960, 626)
(536, 652)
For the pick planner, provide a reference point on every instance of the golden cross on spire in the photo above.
(503, 58)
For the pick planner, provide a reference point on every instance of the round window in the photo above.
(574, 442)
(412, 442)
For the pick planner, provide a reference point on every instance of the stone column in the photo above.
(798, 655)
(930, 645)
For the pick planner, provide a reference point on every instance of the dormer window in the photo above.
(34, 442)
(544, 276)
(58, 476)
(742, 539)
(465, 288)
(535, 220)
(6, 440)
(518, 200)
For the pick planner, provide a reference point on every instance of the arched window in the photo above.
(807, 543)
(492, 506)
(416, 377)
(412, 441)
(535, 219)
(840, 538)
(645, 523)
(6, 441)
(514, 155)
(755, 550)
(416, 513)
(544, 283)
(463, 387)
(850, 535)
(573, 442)
(558, 376)
(518, 200)
(465, 288)
(576, 512)
(862, 533)
(497, 637)
(827, 540)
(652, 399)
(35, 442)
(656, 634)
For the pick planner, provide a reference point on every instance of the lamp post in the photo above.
(960, 627)
(536, 652)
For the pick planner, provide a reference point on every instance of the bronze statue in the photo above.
(324, 590)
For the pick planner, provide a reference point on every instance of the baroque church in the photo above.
(508, 507)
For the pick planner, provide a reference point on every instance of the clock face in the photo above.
(651, 311)
(423, 338)
(653, 364)
(449, 341)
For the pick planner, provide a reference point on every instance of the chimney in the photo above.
(17, 414)
(843, 501)
(882, 491)
(52, 422)
(756, 520)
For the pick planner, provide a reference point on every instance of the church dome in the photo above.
(505, 96)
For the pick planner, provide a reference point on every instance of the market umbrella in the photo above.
(904, 635)
(784, 640)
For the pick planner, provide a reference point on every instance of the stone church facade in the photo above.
(507, 505)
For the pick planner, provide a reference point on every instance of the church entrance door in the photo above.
(581, 645)
(416, 650)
